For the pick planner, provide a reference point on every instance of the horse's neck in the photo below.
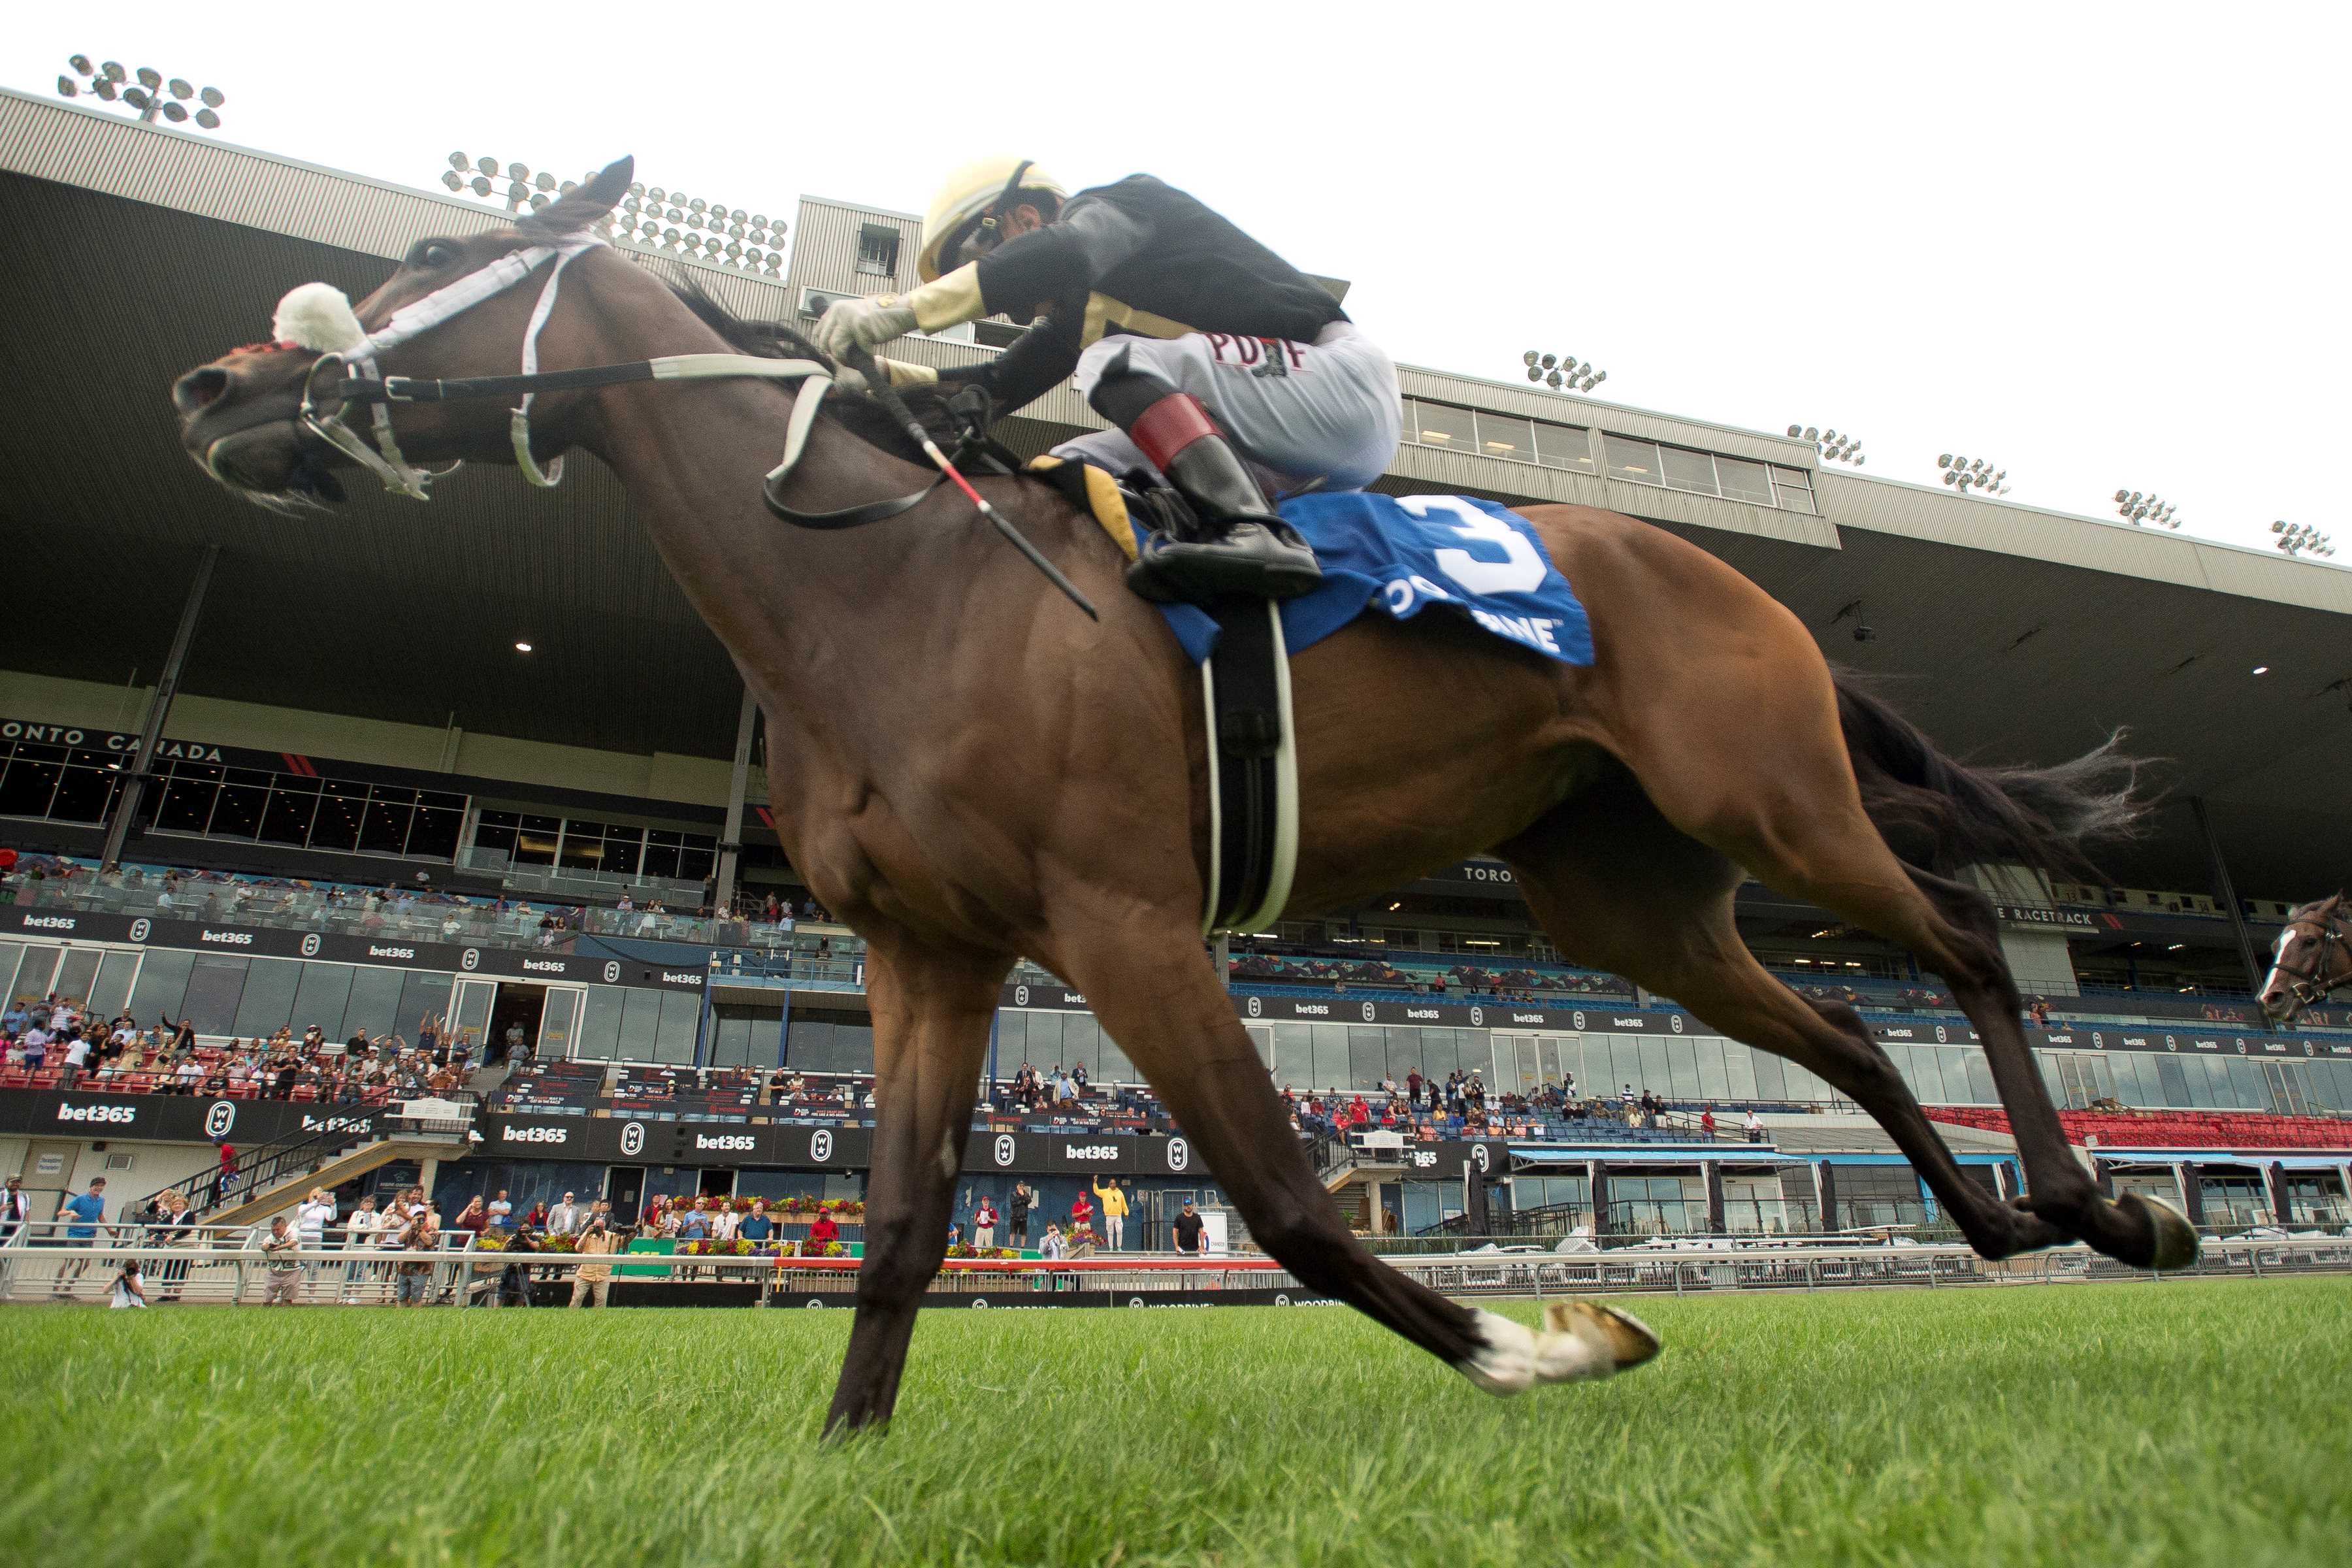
(692, 455)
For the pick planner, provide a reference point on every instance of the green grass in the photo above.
(2185, 1422)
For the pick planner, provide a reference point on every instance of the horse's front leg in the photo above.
(931, 1011)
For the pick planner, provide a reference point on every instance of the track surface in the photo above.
(2185, 1422)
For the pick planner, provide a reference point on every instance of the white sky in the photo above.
(2100, 245)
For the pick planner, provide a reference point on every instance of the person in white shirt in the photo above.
(359, 1233)
(501, 1212)
(128, 1292)
(311, 1223)
(1753, 1126)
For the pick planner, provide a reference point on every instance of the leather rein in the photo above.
(2310, 985)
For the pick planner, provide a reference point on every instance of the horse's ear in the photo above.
(583, 204)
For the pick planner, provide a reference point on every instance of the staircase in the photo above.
(274, 1178)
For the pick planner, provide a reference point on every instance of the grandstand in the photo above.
(559, 863)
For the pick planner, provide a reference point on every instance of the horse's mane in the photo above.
(856, 412)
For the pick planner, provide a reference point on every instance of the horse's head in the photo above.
(2314, 957)
(267, 419)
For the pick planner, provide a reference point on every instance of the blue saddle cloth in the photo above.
(1403, 554)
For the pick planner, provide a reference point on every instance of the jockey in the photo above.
(1210, 355)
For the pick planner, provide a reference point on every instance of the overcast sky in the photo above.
(2101, 245)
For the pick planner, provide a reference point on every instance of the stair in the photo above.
(273, 1179)
(332, 1170)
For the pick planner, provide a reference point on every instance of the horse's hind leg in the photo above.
(1618, 888)
(1162, 1001)
(931, 1012)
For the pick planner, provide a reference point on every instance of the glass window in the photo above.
(1980, 1089)
(163, 981)
(342, 806)
(641, 1026)
(83, 795)
(287, 819)
(1682, 1067)
(1368, 1060)
(1634, 460)
(187, 804)
(384, 829)
(321, 998)
(75, 970)
(1654, 1075)
(624, 846)
(1079, 1034)
(2172, 1083)
(600, 1024)
(695, 857)
(433, 833)
(1740, 1069)
(111, 990)
(1691, 472)
(1796, 491)
(1441, 1050)
(267, 1005)
(661, 853)
(1500, 435)
(1564, 446)
(374, 1001)
(1769, 1081)
(535, 840)
(1744, 480)
(583, 846)
(681, 1020)
(31, 782)
(1712, 1082)
(494, 830)
(214, 986)
(425, 995)
(1435, 425)
(1404, 1054)
(1114, 1066)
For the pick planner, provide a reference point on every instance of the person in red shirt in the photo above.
(1082, 1211)
(824, 1233)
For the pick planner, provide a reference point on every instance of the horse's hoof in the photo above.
(2176, 1238)
(1616, 1340)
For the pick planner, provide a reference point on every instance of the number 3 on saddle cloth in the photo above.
(1395, 554)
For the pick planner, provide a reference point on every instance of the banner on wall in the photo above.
(173, 1117)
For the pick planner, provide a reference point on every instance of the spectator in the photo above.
(359, 1233)
(15, 1207)
(1114, 1214)
(501, 1212)
(225, 1181)
(86, 1210)
(1706, 1122)
(563, 1218)
(1082, 1213)
(824, 1233)
(281, 1271)
(1187, 1229)
(1753, 1125)
(984, 1223)
(1017, 1210)
(416, 1271)
(756, 1229)
(1052, 1246)
(311, 1223)
(128, 1292)
(473, 1217)
(591, 1278)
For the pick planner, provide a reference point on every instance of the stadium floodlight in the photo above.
(2150, 509)
(650, 218)
(1563, 373)
(1966, 474)
(2298, 539)
(1833, 446)
(152, 97)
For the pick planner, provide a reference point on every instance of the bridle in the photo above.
(358, 355)
(355, 349)
(2310, 985)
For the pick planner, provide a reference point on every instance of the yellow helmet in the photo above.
(968, 193)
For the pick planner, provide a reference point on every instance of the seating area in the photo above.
(2174, 1129)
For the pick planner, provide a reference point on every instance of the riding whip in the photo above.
(877, 381)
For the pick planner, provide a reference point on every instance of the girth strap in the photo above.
(1253, 769)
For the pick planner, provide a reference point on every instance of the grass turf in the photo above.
(2188, 1422)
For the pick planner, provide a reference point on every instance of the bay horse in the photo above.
(967, 770)
(2311, 961)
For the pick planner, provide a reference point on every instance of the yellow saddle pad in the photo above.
(1094, 489)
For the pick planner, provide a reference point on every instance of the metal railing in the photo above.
(266, 1167)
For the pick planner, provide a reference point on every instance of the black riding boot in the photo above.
(1239, 546)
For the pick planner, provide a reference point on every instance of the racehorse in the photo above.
(966, 769)
(2311, 959)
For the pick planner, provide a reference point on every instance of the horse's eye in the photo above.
(431, 254)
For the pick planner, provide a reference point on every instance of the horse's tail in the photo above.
(1941, 815)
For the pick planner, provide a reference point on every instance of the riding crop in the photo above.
(877, 381)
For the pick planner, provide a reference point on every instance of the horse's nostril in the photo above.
(199, 389)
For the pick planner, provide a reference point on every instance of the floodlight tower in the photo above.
(2150, 508)
(1966, 474)
(1562, 373)
(1836, 448)
(145, 90)
(2302, 538)
(649, 218)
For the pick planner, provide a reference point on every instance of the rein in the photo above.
(2310, 986)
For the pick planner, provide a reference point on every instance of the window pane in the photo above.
(1435, 425)
(425, 995)
(494, 830)
(433, 834)
(113, 986)
(162, 980)
(661, 855)
(1293, 1055)
(214, 986)
(187, 798)
(267, 1003)
(374, 999)
(583, 846)
(1634, 460)
(83, 795)
(623, 848)
(340, 808)
(236, 811)
(1693, 471)
(321, 998)
(1330, 1055)
(693, 864)
(641, 1023)
(384, 829)
(287, 819)
(1513, 440)
(1744, 480)
(600, 1024)
(1796, 493)
(1563, 446)
(1367, 1056)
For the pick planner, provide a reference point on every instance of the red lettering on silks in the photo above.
(1217, 342)
(1247, 349)
(1297, 359)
